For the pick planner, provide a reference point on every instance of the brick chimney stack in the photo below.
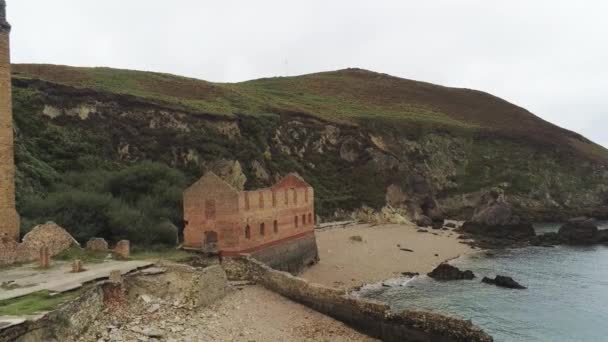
(9, 220)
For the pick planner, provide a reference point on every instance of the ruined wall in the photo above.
(247, 221)
(9, 220)
(8, 250)
(49, 235)
(371, 318)
(291, 208)
(291, 256)
(210, 204)
(187, 285)
(184, 284)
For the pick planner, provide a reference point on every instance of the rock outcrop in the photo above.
(503, 281)
(494, 222)
(228, 170)
(579, 231)
(447, 272)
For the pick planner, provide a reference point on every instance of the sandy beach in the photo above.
(346, 262)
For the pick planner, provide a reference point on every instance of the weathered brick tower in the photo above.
(9, 220)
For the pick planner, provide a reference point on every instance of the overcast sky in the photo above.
(550, 57)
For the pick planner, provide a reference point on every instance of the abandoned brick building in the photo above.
(9, 220)
(274, 224)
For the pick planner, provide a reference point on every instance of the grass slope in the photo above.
(349, 96)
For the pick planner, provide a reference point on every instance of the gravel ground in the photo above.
(249, 314)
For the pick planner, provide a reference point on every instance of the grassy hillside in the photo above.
(346, 96)
(107, 152)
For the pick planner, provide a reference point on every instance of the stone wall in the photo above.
(372, 318)
(49, 235)
(8, 250)
(188, 285)
(291, 256)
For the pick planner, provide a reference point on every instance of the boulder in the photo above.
(97, 245)
(448, 272)
(496, 219)
(503, 281)
(579, 231)
(450, 225)
(437, 224)
(545, 240)
(424, 221)
(431, 209)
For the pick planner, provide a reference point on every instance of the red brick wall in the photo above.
(237, 210)
(9, 220)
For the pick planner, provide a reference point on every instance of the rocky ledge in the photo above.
(580, 231)
(494, 224)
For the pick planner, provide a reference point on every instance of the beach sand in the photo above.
(346, 263)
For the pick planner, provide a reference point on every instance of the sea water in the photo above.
(566, 299)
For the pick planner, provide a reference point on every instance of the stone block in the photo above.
(44, 259)
(97, 245)
(122, 250)
(115, 277)
(77, 266)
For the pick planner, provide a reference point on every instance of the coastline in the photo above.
(384, 253)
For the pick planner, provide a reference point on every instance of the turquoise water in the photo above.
(566, 299)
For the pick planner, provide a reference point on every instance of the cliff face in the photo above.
(359, 138)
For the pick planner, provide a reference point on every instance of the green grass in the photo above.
(333, 96)
(35, 303)
(352, 96)
(158, 253)
(138, 253)
(83, 255)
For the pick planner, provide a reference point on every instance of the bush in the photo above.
(141, 203)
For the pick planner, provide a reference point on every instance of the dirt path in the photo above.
(346, 262)
(250, 314)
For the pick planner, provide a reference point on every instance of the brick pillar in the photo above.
(122, 250)
(77, 266)
(45, 259)
(9, 220)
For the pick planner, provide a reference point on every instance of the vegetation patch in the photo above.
(36, 302)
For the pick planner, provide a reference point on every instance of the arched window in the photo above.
(295, 219)
(306, 195)
(310, 221)
(276, 226)
(248, 232)
(295, 196)
(261, 200)
(262, 229)
(286, 197)
(274, 199)
(304, 219)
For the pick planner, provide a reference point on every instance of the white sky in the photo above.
(549, 56)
